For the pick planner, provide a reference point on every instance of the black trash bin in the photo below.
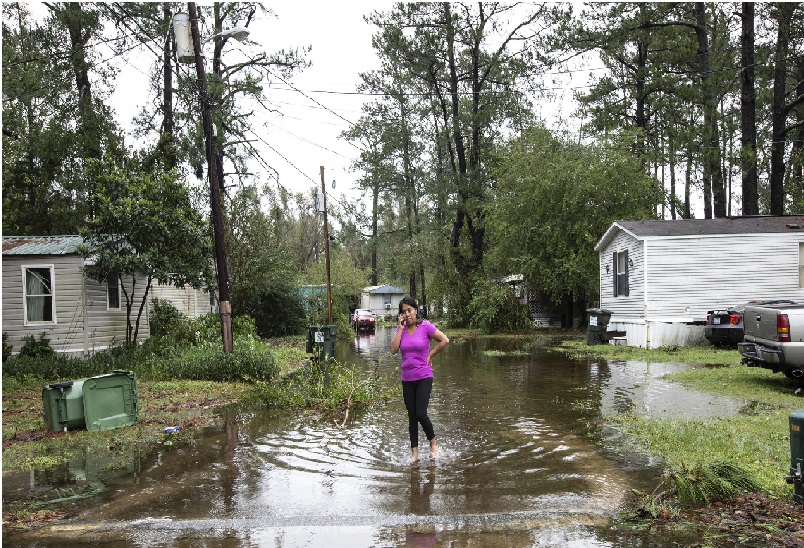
(598, 323)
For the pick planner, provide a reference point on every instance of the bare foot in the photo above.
(414, 455)
(434, 448)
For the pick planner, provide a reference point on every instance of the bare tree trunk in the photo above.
(713, 178)
(779, 110)
(748, 123)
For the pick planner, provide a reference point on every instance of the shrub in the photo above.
(8, 348)
(494, 308)
(33, 348)
(166, 321)
(207, 328)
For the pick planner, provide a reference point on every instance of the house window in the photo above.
(801, 264)
(113, 293)
(620, 278)
(386, 301)
(38, 294)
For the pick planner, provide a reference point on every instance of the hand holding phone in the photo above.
(402, 322)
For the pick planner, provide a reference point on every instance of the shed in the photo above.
(46, 291)
(381, 300)
(659, 278)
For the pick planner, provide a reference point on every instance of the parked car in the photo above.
(363, 319)
(724, 327)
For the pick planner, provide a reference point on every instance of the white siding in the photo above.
(83, 322)
(190, 302)
(688, 276)
(632, 306)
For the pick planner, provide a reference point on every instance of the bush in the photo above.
(494, 308)
(8, 348)
(207, 328)
(166, 321)
(158, 360)
(33, 348)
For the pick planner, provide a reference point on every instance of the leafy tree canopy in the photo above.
(554, 200)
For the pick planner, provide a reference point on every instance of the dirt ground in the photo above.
(751, 519)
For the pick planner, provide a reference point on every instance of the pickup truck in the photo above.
(774, 338)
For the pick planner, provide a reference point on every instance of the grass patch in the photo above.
(757, 439)
(694, 355)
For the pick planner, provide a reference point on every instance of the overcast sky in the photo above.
(303, 134)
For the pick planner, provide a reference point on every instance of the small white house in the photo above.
(659, 278)
(381, 300)
(45, 290)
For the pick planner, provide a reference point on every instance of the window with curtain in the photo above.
(113, 293)
(38, 294)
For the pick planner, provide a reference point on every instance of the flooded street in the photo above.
(524, 462)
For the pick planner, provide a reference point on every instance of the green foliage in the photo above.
(554, 200)
(348, 282)
(335, 387)
(704, 484)
(494, 308)
(161, 358)
(144, 224)
(262, 267)
(165, 320)
(207, 328)
(8, 348)
(36, 348)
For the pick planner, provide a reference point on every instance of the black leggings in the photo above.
(417, 397)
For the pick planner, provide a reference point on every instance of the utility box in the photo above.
(110, 401)
(95, 403)
(598, 323)
(321, 342)
(797, 455)
(64, 405)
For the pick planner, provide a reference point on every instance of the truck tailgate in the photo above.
(760, 322)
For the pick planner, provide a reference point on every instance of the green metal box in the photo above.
(110, 401)
(797, 454)
(64, 405)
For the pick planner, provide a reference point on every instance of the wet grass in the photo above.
(757, 439)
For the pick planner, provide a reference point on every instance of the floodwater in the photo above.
(525, 461)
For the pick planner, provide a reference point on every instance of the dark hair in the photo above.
(410, 301)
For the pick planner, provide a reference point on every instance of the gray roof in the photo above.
(41, 245)
(383, 289)
(705, 227)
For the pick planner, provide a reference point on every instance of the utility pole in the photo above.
(214, 187)
(326, 249)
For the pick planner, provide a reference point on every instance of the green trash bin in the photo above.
(64, 405)
(797, 455)
(598, 323)
(95, 403)
(110, 401)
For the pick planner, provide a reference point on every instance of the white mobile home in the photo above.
(46, 291)
(659, 278)
(381, 300)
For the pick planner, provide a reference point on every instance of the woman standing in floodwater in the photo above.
(412, 337)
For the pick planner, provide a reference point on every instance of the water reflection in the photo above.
(519, 464)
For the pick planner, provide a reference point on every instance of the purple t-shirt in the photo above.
(414, 350)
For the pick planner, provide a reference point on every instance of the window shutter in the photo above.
(626, 274)
(614, 272)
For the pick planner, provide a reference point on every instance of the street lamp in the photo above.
(188, 39)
